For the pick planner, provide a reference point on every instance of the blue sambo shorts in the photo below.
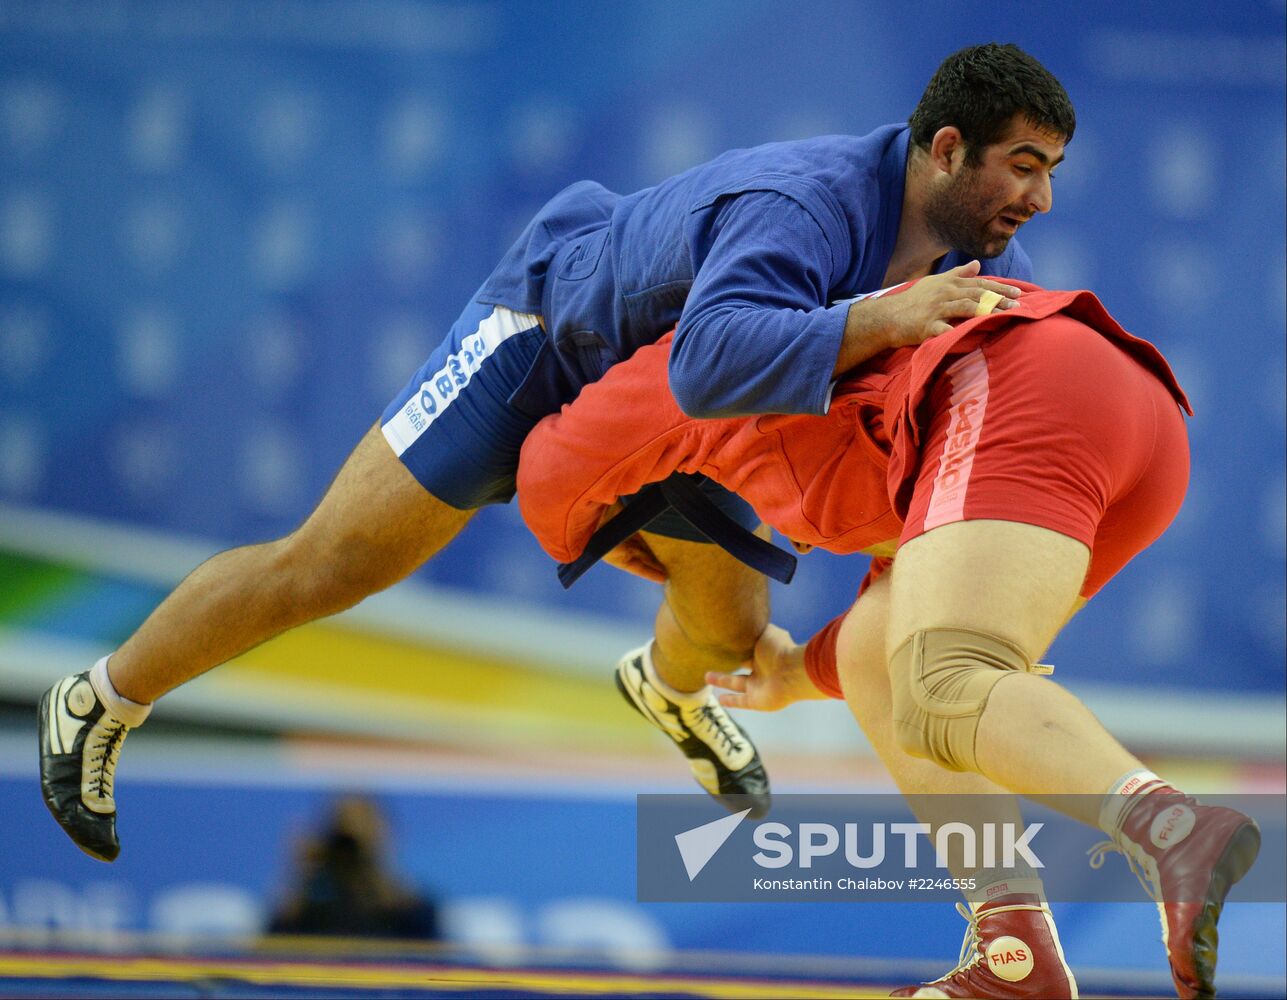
(456, 430)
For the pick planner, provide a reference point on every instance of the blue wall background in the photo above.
(228, 233)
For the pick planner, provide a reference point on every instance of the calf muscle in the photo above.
(374, 526)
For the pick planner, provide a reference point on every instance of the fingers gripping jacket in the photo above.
(941, 680)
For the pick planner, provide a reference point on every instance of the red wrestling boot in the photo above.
(1187, 856)
(1011, 949)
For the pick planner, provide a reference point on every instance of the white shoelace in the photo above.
(1143, 867)
(970, 954)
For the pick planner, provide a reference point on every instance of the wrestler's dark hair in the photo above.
(980, 89)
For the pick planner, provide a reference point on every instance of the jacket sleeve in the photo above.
(756, 334)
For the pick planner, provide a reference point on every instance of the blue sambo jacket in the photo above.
(744, 254)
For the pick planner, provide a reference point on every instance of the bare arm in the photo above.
(923, 311)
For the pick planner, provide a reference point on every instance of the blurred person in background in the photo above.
(343, 884)
(756, 258)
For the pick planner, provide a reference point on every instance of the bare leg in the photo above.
(713, 610)
(373, 527)
(860, 656)
(1008, 905)
(1018, 582)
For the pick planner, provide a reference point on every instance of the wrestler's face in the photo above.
(976, 208)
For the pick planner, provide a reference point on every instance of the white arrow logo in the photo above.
(698, 845)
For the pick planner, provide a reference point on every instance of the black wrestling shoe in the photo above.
(80, 743)
(720, 754)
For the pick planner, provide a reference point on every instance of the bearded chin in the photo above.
(951, 219)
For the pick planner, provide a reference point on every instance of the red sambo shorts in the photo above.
(1059, 423)
(1047, 423)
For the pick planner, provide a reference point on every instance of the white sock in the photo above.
(119, 707)
(1028, 883)
(1139, 781)
(690, 698)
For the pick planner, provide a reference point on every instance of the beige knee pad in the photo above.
(941, 679)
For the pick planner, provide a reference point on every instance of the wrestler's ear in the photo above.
(947, 149)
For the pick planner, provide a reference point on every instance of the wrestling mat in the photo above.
(332, 969)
